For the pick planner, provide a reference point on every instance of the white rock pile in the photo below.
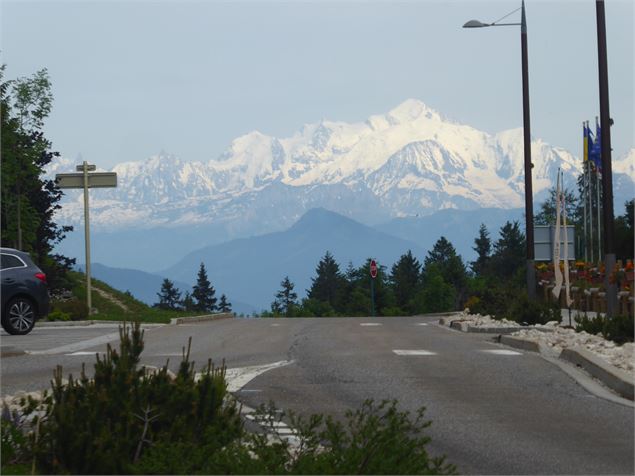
(478, 320)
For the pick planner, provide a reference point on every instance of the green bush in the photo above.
(375, 439)
(57, 315)
(106, 424)
(75, 308)
(532, 311)
(619, 329)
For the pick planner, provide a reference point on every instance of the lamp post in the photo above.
(529, 201)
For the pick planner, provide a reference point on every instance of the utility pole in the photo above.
(607, 172)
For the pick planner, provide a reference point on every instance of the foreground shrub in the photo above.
(375, 439)
(106, 424)
(619, 329)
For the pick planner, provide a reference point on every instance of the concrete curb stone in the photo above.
(612, 377)
(10, 351)
(207, 317)
(520, 343)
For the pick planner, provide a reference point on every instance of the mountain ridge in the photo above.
(410, 160)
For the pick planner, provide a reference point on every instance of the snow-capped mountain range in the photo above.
(410, 161)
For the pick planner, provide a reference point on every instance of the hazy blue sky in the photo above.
(133, 78)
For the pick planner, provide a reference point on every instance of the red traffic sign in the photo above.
(373, 268)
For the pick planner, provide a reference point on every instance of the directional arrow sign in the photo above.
(95, 180)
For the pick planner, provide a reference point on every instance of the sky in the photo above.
(134, 78)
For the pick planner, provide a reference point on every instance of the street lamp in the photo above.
(529, 201)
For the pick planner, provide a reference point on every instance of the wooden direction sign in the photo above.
(95, 180)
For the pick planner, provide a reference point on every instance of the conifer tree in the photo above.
(405, 278)
(224, 305)
(328, 284)
(450, 265)
(203, 292)
(286, 299)
(169, 296)
(188, 303)
(483, 249)
(509, 251)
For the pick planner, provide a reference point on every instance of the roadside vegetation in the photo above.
(129, 419)
(109, 304)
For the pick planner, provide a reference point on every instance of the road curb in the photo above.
(89, 323)
(520, 343)
(10, 351)
(614, 378)
(464, 326)
(175, 321)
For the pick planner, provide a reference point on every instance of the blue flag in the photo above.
(595, 150)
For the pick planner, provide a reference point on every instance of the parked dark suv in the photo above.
(25, 296)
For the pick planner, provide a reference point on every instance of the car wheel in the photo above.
(19, 317)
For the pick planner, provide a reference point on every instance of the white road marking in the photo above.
(368, 324)
(85, 344)
(275, 325)
(83, 353)
(502, 352)
(239, 377)
(414, 352)
(421, 324)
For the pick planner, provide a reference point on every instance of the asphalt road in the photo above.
(494, 410)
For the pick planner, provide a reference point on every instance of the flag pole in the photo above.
(590, 196)
(597, 191)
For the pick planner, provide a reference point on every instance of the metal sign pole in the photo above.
(85, 180)
(89, 301)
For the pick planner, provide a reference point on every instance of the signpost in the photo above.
(85, 180)
(373, 275)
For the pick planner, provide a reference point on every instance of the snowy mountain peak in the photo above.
(411, 110)
(408, 161)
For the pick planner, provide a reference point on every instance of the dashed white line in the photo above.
(413, 352)
(369, 324)
(421, 324)
(502, 352)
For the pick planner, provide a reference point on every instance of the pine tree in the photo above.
(204, 292)
(224, 305)
(450, 265)
(437, 295)
(169, 296)
(405, 278)
(328, 284)
(483, 249)
(187, 303)
(509, 251)
(286, 299)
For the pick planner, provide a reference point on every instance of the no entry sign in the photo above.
(373, 268)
